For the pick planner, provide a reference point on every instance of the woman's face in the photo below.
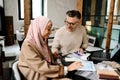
(47, 30)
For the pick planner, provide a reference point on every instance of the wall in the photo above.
(56, 12)
(101, 35)
(1, 3)
(11, 9)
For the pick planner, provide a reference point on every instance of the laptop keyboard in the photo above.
(98, 56)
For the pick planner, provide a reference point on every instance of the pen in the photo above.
(78, 53)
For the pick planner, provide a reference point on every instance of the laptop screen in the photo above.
(115, 53)
(91, 40)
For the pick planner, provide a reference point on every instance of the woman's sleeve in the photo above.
(37, 63)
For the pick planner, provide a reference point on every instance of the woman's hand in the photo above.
(56, 55)
(74, 66)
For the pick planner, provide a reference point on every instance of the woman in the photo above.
(35, 61)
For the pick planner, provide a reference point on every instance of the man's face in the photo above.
(71, 23)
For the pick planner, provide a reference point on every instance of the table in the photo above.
(78, 74)
(92, 75)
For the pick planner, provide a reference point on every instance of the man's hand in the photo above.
(81, 50)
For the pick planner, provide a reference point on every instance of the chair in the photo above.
(50, 41)
(16, 72)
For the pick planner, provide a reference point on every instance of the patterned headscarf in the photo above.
(34, 36)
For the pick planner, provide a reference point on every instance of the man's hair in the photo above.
(73, 13)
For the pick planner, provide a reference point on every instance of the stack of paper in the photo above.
(105, 71)
(108, 74)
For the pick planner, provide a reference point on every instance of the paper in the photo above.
(71, 59)
(92, 75)
(88, 66)
(93, 48)
(76, 57)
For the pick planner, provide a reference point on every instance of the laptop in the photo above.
(115, 54)
(91, 43)
(101, 56)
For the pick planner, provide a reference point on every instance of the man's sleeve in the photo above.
(55, 44)
(85, 39)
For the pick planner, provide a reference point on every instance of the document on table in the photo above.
(88, 66)
(93, 48)
(75, 57)
(91, 75)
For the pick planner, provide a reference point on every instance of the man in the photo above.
(72, 37)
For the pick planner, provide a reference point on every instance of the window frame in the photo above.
(19, 9)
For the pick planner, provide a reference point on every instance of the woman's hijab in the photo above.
(34, 36)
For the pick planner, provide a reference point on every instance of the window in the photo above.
(37, 8)
(97, 11)
(115, 7)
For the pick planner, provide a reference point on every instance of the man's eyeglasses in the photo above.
(69, 23)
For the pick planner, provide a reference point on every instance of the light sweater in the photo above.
(70, 42)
